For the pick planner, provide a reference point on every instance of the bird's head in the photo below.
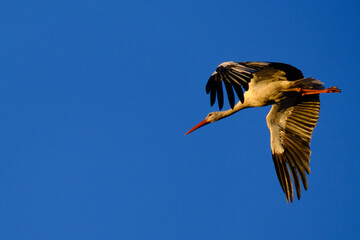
(211, 117)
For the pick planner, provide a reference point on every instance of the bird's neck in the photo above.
(239, 106)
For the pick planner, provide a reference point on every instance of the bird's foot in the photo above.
(333, 90)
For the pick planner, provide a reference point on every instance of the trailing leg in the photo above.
(304, 92)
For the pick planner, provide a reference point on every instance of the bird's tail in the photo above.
(308, 83)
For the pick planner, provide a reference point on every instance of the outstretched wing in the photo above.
(237, 76)
(234, 75)
(291, 123)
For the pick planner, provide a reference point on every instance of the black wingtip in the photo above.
(239, 93)
(220, 95)
(212, 97)
(235, 76)
(209, 84)
(230, 93)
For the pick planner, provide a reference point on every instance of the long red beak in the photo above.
(199, 125)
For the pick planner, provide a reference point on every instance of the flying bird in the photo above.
(291, 120)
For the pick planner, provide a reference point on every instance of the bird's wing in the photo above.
(291, 123)
(237, 76)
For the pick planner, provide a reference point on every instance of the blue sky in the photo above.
(96, 97)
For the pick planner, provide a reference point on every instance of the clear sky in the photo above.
(96, 97)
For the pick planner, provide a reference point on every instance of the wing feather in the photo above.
(220, 95)
(279, 172)
(300, 169)
(239, 92)
(230, 93)
(288, 184)
(212, 97)
(291, 123)
(241, 77)
(294, 174)
(231, 73)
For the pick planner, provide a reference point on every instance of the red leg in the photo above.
(314, 91)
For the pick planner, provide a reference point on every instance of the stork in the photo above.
(291, 120)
